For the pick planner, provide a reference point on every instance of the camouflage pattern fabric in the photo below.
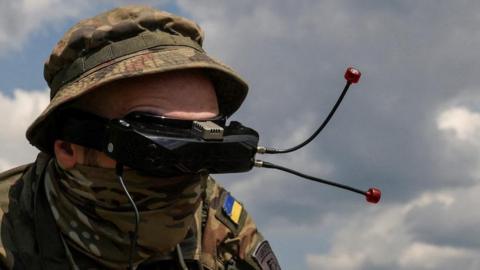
(213, 242)
(225, 243)
(7, 179)
(115, 25)
(123, 43)
(95, 217)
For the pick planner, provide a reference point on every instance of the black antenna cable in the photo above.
(373, 195)
(352, 76)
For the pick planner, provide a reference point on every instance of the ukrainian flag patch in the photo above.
(232, 208)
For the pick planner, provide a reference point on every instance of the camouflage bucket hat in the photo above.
(123, 43)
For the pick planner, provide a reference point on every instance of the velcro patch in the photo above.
(264, 256)
(232, 208)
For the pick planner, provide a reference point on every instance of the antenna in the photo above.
(352, 75)
(372, 195)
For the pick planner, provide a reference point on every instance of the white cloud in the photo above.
(425, 256)
(18, 19)
(435, 230)
(460, 126)
(384, 238)
(464, 123)
(5, 165)
(18, 111)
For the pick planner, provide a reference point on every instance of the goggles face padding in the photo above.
(162, 146)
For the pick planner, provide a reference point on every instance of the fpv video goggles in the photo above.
(162, 146)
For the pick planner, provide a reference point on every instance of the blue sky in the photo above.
(411, 126)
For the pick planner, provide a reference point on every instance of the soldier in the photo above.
(67, 211)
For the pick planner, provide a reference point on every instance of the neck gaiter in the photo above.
(95, 217)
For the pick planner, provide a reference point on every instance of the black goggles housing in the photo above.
(157, 145)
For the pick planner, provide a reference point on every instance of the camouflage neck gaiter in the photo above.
(95, 217)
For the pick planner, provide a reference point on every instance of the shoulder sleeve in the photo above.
(7, 179)
(230, 237)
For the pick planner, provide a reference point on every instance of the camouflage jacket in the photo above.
(30, 239)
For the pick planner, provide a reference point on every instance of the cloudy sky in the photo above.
(410, 127)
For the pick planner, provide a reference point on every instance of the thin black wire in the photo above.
(322, 126)
(274, 166)
(134, 234)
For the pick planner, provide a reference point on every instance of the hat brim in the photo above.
(231, 90)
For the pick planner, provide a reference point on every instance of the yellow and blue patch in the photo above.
(232, 208)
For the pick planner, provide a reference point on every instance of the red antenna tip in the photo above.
(373, 195)
(352, 75)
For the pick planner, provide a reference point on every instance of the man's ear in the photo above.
(67, 154)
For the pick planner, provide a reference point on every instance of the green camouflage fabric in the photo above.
(223, 242)
(95, 216)
(7, 179)
(123, 43)
(213, 241)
